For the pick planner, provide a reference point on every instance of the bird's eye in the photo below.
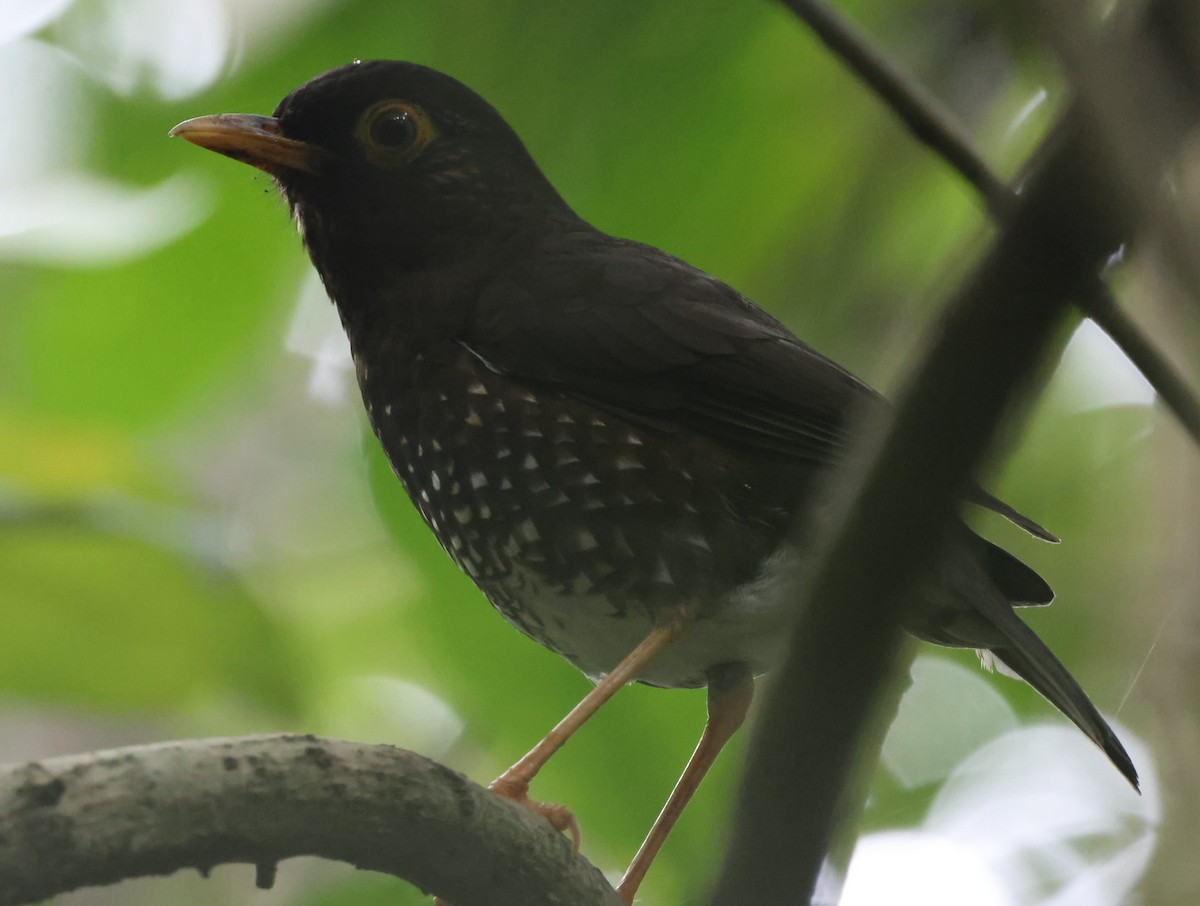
(393, 128)
(394, 132)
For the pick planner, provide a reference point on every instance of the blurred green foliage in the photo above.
(193, 540)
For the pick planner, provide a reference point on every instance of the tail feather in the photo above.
(1019, 583)
(1028, 656)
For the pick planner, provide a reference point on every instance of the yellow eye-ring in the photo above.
(394, 132)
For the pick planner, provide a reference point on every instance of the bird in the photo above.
(612, 444)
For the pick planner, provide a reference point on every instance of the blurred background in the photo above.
(199, 537)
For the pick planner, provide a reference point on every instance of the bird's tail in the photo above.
(1027, 656)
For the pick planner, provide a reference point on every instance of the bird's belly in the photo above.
(749, 625)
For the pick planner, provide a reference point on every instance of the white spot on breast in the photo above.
(531, 432)
(387, 410)
(662, 574)
(485, 511)
(527, 531)
(477, 389)
(621, 546)
(565, 459)
(590, 479)
(425, 495)
(625, 462)
(474, 419)
(463, 514)
(565, 419)
(633, 439)
(586, 541)
(505, 484)
(436, 480)
(478, 480)
(530, 462)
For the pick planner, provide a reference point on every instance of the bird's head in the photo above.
(389, 165)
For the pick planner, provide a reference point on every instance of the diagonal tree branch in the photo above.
(99, 818)
(935, 126)
(925, 116)
(893, 519)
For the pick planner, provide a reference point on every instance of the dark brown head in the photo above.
(389, 167)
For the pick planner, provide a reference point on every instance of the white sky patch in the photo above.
(43, 108)
(316, 333)
(52, 212)
(176, 49)
(23, 17)
(921, 869)
(71, 219)
(1096, 374)
(957, 706)
(1031, 816)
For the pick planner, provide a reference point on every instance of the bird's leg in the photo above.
(730, 691)
(514, 783)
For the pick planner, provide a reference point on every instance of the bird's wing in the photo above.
(631, 329)
(634, 330)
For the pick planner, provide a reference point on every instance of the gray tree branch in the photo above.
(99, 818)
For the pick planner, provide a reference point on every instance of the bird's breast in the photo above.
(579, 525)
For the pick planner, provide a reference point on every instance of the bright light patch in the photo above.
(1096, 374)
(956, 706)
(24, 17)
(176, 49)
(921, 869)
(316, 334)
(76, 220)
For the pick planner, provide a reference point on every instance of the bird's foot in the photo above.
(561, 818)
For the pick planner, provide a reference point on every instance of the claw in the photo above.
(561, 818)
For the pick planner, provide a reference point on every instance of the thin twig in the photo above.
(934, 126)
(925, 116)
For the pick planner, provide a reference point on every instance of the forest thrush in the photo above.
(611, 443)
